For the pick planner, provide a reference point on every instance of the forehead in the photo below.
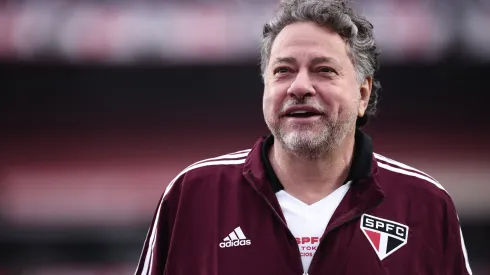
(304, 40)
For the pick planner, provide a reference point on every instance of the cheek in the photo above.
(348, 104)
(338, 100)
(265, 101)
(271, 101)
(334, 98)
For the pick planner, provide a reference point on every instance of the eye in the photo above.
(281, 70)
(326, 70)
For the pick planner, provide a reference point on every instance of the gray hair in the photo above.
(356, 30)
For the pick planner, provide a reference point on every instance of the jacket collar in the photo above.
(365, 191)
(361, 162)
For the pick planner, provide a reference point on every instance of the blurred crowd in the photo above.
(130, 31)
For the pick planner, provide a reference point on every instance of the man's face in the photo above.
(312, 97)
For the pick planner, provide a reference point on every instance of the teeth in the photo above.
(298, 112)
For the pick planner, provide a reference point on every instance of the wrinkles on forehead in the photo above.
(307, 42)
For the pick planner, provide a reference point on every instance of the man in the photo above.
(312, 198)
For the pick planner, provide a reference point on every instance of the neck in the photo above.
(310, 180)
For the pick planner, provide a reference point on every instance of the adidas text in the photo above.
(235, 243)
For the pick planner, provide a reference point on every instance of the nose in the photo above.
(301, 86)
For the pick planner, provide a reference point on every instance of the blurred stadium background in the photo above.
(103, 102)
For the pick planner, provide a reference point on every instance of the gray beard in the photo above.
(309, 145)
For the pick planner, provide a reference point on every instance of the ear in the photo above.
(365, 93)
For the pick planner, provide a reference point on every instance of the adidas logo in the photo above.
(235, 238)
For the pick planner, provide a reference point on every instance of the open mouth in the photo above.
(301, 114)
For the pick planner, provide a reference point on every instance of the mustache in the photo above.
(304, 102)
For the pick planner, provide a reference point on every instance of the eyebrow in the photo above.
(288, 60)
(314, 61)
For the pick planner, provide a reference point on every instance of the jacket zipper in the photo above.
(283, 222)
(356, 216)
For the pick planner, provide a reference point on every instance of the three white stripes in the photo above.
(236, 234)
(402, 169)
(399, 164)
(229, 159)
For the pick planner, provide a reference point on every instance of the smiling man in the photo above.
(312, 197)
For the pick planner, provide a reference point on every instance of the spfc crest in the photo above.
(385, 236)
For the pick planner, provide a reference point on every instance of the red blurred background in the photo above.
(104, 103)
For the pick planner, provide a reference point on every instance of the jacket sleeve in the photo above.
(455, 257)
(155, 249)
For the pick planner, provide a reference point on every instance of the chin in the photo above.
(305, 133)
(303, 139)
(309, 144)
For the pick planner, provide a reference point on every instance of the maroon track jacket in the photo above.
(221, 217)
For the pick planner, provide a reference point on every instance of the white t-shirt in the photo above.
(308, 222)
